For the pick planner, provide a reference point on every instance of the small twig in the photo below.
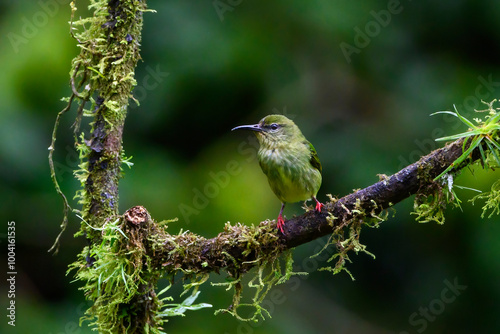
(72, 80)
(84, 98)
(66, 206)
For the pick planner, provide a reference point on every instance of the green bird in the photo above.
(289, 161)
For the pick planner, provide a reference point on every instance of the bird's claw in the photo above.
(280, 224)
(319, 206)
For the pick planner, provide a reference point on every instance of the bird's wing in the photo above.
(314, 157)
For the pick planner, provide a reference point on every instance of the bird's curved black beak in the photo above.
(253, 127)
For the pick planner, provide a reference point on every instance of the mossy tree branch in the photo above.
(240, 248)
(415, 178)
(214, 254)
(101, 79)
(106, 65)
(106, 69)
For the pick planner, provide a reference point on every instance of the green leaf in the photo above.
(461, 158)
(457, 136)
(456, 114)
(187, 304)
(492, 150)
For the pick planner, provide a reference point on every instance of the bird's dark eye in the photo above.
(274, 126)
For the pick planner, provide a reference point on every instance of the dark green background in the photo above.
(204, 72)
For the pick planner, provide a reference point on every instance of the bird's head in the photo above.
(274, 131)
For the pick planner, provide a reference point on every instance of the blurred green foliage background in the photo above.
(359, 77)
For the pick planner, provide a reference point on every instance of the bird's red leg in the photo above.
(319, 205)
(281, 221)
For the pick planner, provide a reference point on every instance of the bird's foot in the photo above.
(319, 205)
(280, 223)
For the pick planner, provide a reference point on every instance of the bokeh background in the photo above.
(359, 77)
